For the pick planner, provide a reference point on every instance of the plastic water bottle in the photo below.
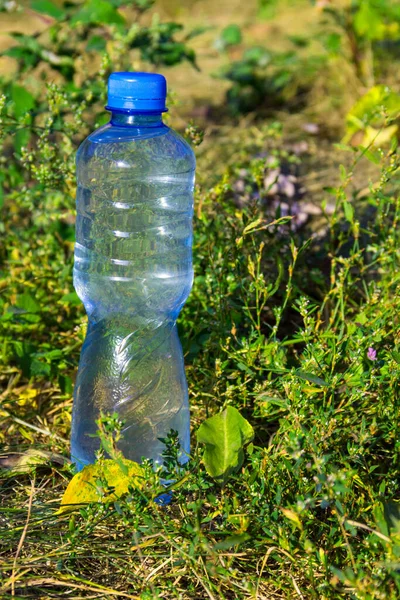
(133, 272)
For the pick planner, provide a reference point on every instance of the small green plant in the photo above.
(365, 31)
(265, 79)
(230, 36)
(373, 120)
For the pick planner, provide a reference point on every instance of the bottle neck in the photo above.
(123, 119)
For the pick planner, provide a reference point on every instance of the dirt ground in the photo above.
(196, 88)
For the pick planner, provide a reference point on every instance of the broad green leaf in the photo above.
(23, 100)
(231, 35)
(98, 12)
(46, 7)
(224, 436)
(39, 368)
(93, 483)
(27, 303)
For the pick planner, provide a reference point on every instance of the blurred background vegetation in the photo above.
(293, 107)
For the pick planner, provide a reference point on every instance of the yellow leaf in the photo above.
(252, 226)
(27, 395)
(292, 516)
(379, 137)
(86, 486)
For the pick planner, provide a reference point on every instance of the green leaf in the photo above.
(23, 100)
(72, 299)
(103, 481)
(292, 516)
(52, 354)
(257, 56)
(2, 177)
(65, 384)
(224, 436)
(396, 356)
(46, 7)
(39, 368)
(343, 173)
(232, 541)
(371, 155)
(344, 147)
(368, 22)
(392, 516)
(97, 43)
(267, 9)
(196, 31)
(348, 211)
(333, 42)
(98, 12)
(21, 139)
(231, 35)
(253, 225)
(27, 303)
(311, 378)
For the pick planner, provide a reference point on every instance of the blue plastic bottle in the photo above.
(133, 272)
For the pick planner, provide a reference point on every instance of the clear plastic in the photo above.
(133, 272)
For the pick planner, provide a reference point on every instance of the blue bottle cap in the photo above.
(136, 92)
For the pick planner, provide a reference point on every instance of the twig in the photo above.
(22, 538)
(296, 587)
(143, 562)
(154, 571)
(199, 579)
(362, 526)
(38, 429)
(90, 586)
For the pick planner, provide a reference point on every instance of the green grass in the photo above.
(278, 326)
(294, 324)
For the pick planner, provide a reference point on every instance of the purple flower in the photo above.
(371, 354)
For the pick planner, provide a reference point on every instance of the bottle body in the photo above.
(133, 272)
